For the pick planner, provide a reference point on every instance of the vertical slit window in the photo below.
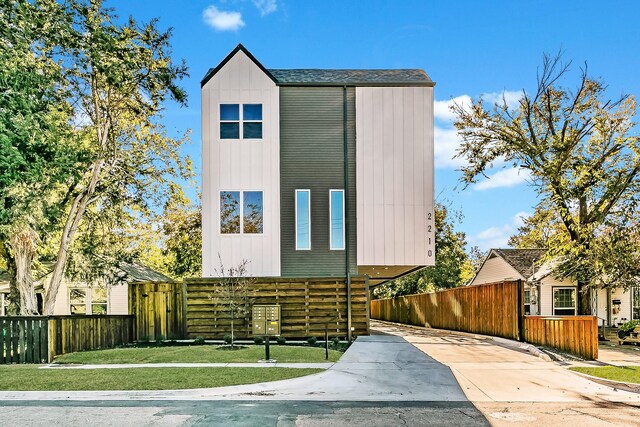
(336, 219)
(230, 212)
(252, 221)
(303, 220)
(229, 121)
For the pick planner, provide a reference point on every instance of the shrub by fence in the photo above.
(307, 305)
(572, 334)
(491, 309)
(158, 309)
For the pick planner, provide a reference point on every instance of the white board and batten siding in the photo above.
(240, 165)
(394, 176)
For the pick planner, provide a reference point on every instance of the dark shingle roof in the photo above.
(314, 77)
(522, 260)
(350, 77)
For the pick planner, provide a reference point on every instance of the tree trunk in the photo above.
(583, 299)
(23, 245)
(14, 293)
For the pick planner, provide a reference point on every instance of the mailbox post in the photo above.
(266, 322)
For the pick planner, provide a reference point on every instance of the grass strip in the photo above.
(626, 374)
(31, 378)
(199, 354)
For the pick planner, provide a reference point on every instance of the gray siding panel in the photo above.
(312, 157)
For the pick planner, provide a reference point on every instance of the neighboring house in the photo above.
(100, 297)
(316, 172)
(547, 296)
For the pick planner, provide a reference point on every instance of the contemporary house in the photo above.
(548, 296)
(104, 296)
(316, 172)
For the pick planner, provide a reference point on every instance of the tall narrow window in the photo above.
(527, 302)
(252, 121)
(303, 220)
(98, 300)
(635, 303)
(336, 219)
(230, 212)
(77, 301)
(252, 218)
(229, 121)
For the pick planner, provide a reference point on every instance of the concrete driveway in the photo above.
(513, 387)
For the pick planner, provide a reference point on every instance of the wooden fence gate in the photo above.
(159, 310)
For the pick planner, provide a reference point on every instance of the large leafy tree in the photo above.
(451, 260)
(40, 156)
(182, 228)
(121, 75)
(582, 153)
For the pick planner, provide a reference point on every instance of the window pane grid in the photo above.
(564, 301)
(231, 121)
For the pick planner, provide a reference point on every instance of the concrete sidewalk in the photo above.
(191, 365)
(375, 368)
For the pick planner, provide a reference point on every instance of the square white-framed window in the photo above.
(303, 220)
(336, 220)
(241, 121)
(242, 212)
(564, 301)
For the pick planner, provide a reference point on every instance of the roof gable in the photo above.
(522, 260)
(213, 71)
(331, 77)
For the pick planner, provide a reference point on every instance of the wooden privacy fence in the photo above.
(68, 334)
(491, 309)
(24, 339)
(38, 339)
(159, 310)
(307, 305)
(572, 334)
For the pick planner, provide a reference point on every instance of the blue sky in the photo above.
(468, 48)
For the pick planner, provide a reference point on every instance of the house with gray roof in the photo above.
(106, 295)
(547, 295)
(316, 172)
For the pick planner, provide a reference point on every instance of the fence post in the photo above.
(520, 310)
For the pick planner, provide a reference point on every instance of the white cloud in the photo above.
(266, 6)
(504, 178)
(498, 236)
(442, 109)
(222, 21)
(511, 97)
(446, 143)
(447, 140)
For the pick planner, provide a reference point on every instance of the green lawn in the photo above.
(30, 378)
(198, 354)
(628, 374)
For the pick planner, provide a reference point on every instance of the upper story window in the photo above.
(241, 212)
(233, 118)
(303, 220)
(336, 219)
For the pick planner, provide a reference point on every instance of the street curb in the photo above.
(616, 385)
(502, 342)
